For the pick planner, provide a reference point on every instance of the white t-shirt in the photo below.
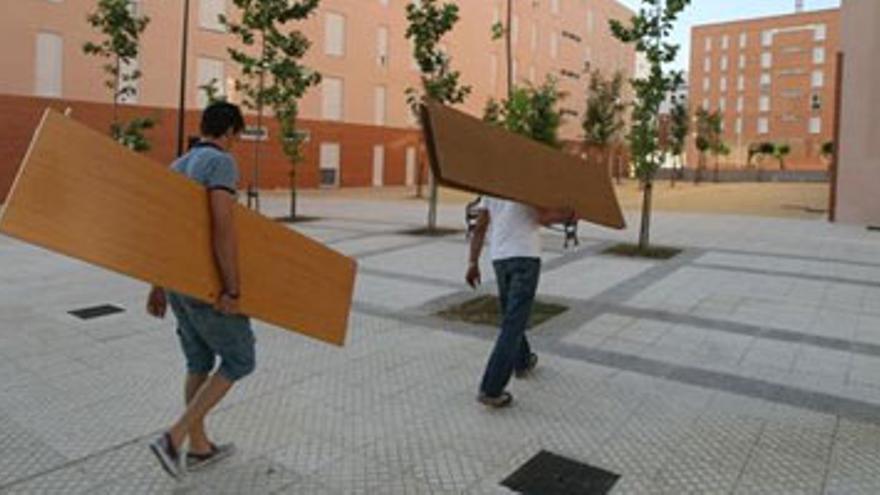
(513, 229)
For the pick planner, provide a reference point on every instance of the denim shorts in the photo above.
(206, 334)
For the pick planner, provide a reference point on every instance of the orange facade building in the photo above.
(360, 129)
(773, 79)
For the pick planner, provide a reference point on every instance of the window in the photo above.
(378, 165)
(707, 64)
(741, 83)
(209, 71)
(815, 125)
(706, 84)
(708, 44)
(534, 43)
(334, 34)
(724, 63)
(740, 104)
(329, 164)
(818, 78)
(496, 15)
(742, 61)
(554, 6)
(514, 30)
(514, 70)
(816, 102)
(764, 103)
(766, 60)
(331, 98)
(743, 40)
(722, 105)
(128, 69)
(554, 45)
(410, 166)
(209, 14)
(765, 81)
(766, 38)
(739, 125)
(706, 104)
(725, 42)
(382, 46)
(819, 55)
(723, 84)
(820, 32)
(532, 75)
(383, 3)
(763, 125)
(49, 65)
(379, 105)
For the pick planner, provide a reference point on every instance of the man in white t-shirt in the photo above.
(515, 249)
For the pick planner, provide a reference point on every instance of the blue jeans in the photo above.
(206, 334)
(517, 284)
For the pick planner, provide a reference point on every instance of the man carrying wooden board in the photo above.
(515, 249)
(207, 332)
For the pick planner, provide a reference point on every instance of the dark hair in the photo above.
(219, 118)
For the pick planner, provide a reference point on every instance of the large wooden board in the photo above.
(81, 194)
(466, 153)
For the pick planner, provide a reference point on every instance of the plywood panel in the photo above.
(81, 194)
(469, 154)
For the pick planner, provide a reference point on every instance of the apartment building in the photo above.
(360, 130)
(773, 79)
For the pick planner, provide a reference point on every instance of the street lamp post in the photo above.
(181, 103)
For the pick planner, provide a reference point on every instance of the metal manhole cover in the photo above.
(96, 311)
(550, 474)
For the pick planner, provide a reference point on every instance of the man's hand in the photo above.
(473, 275)
(227, 304)
(157, 303)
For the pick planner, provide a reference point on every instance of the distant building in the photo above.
(773, 79)
(361, 131)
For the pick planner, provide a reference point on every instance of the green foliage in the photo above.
(780, 151)
(759, 150)
(648, 32)
(121, 29)
(132, 134)
(827, 150)
(530, 111)
(429, 22)
(603, 119)
(212, 91)
(273, 75)
(498, 31)
(679, 127)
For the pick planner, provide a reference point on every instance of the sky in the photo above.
(710, 11)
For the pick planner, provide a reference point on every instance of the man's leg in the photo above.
(526, 289)
(513, 325)
(208, 396)
(198, 439)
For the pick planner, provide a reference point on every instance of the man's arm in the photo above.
(548, 216)
(476, 248)
(225, 246)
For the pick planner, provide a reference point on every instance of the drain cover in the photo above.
(96, 311)
(550, 474)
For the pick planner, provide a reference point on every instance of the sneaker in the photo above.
(503, 400)
(195, 461)
(167, 455)
(530, 366)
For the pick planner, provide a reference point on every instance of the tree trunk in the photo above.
(715, 178)
(698, 173)
(256, 173)
(292, 193)
(432, 204)
(645, 230)
(674, 172)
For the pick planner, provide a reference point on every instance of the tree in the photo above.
(708, 140)
(679, 127)
(720, 149)
(274, 77)
(121, 28)
(827, 151)
(603, 119)
(757, 151)
(780, 151)
(429, 21)
(530, 111)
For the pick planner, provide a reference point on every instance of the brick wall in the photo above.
(20, 115)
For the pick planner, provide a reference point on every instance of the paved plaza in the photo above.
(748, 364)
